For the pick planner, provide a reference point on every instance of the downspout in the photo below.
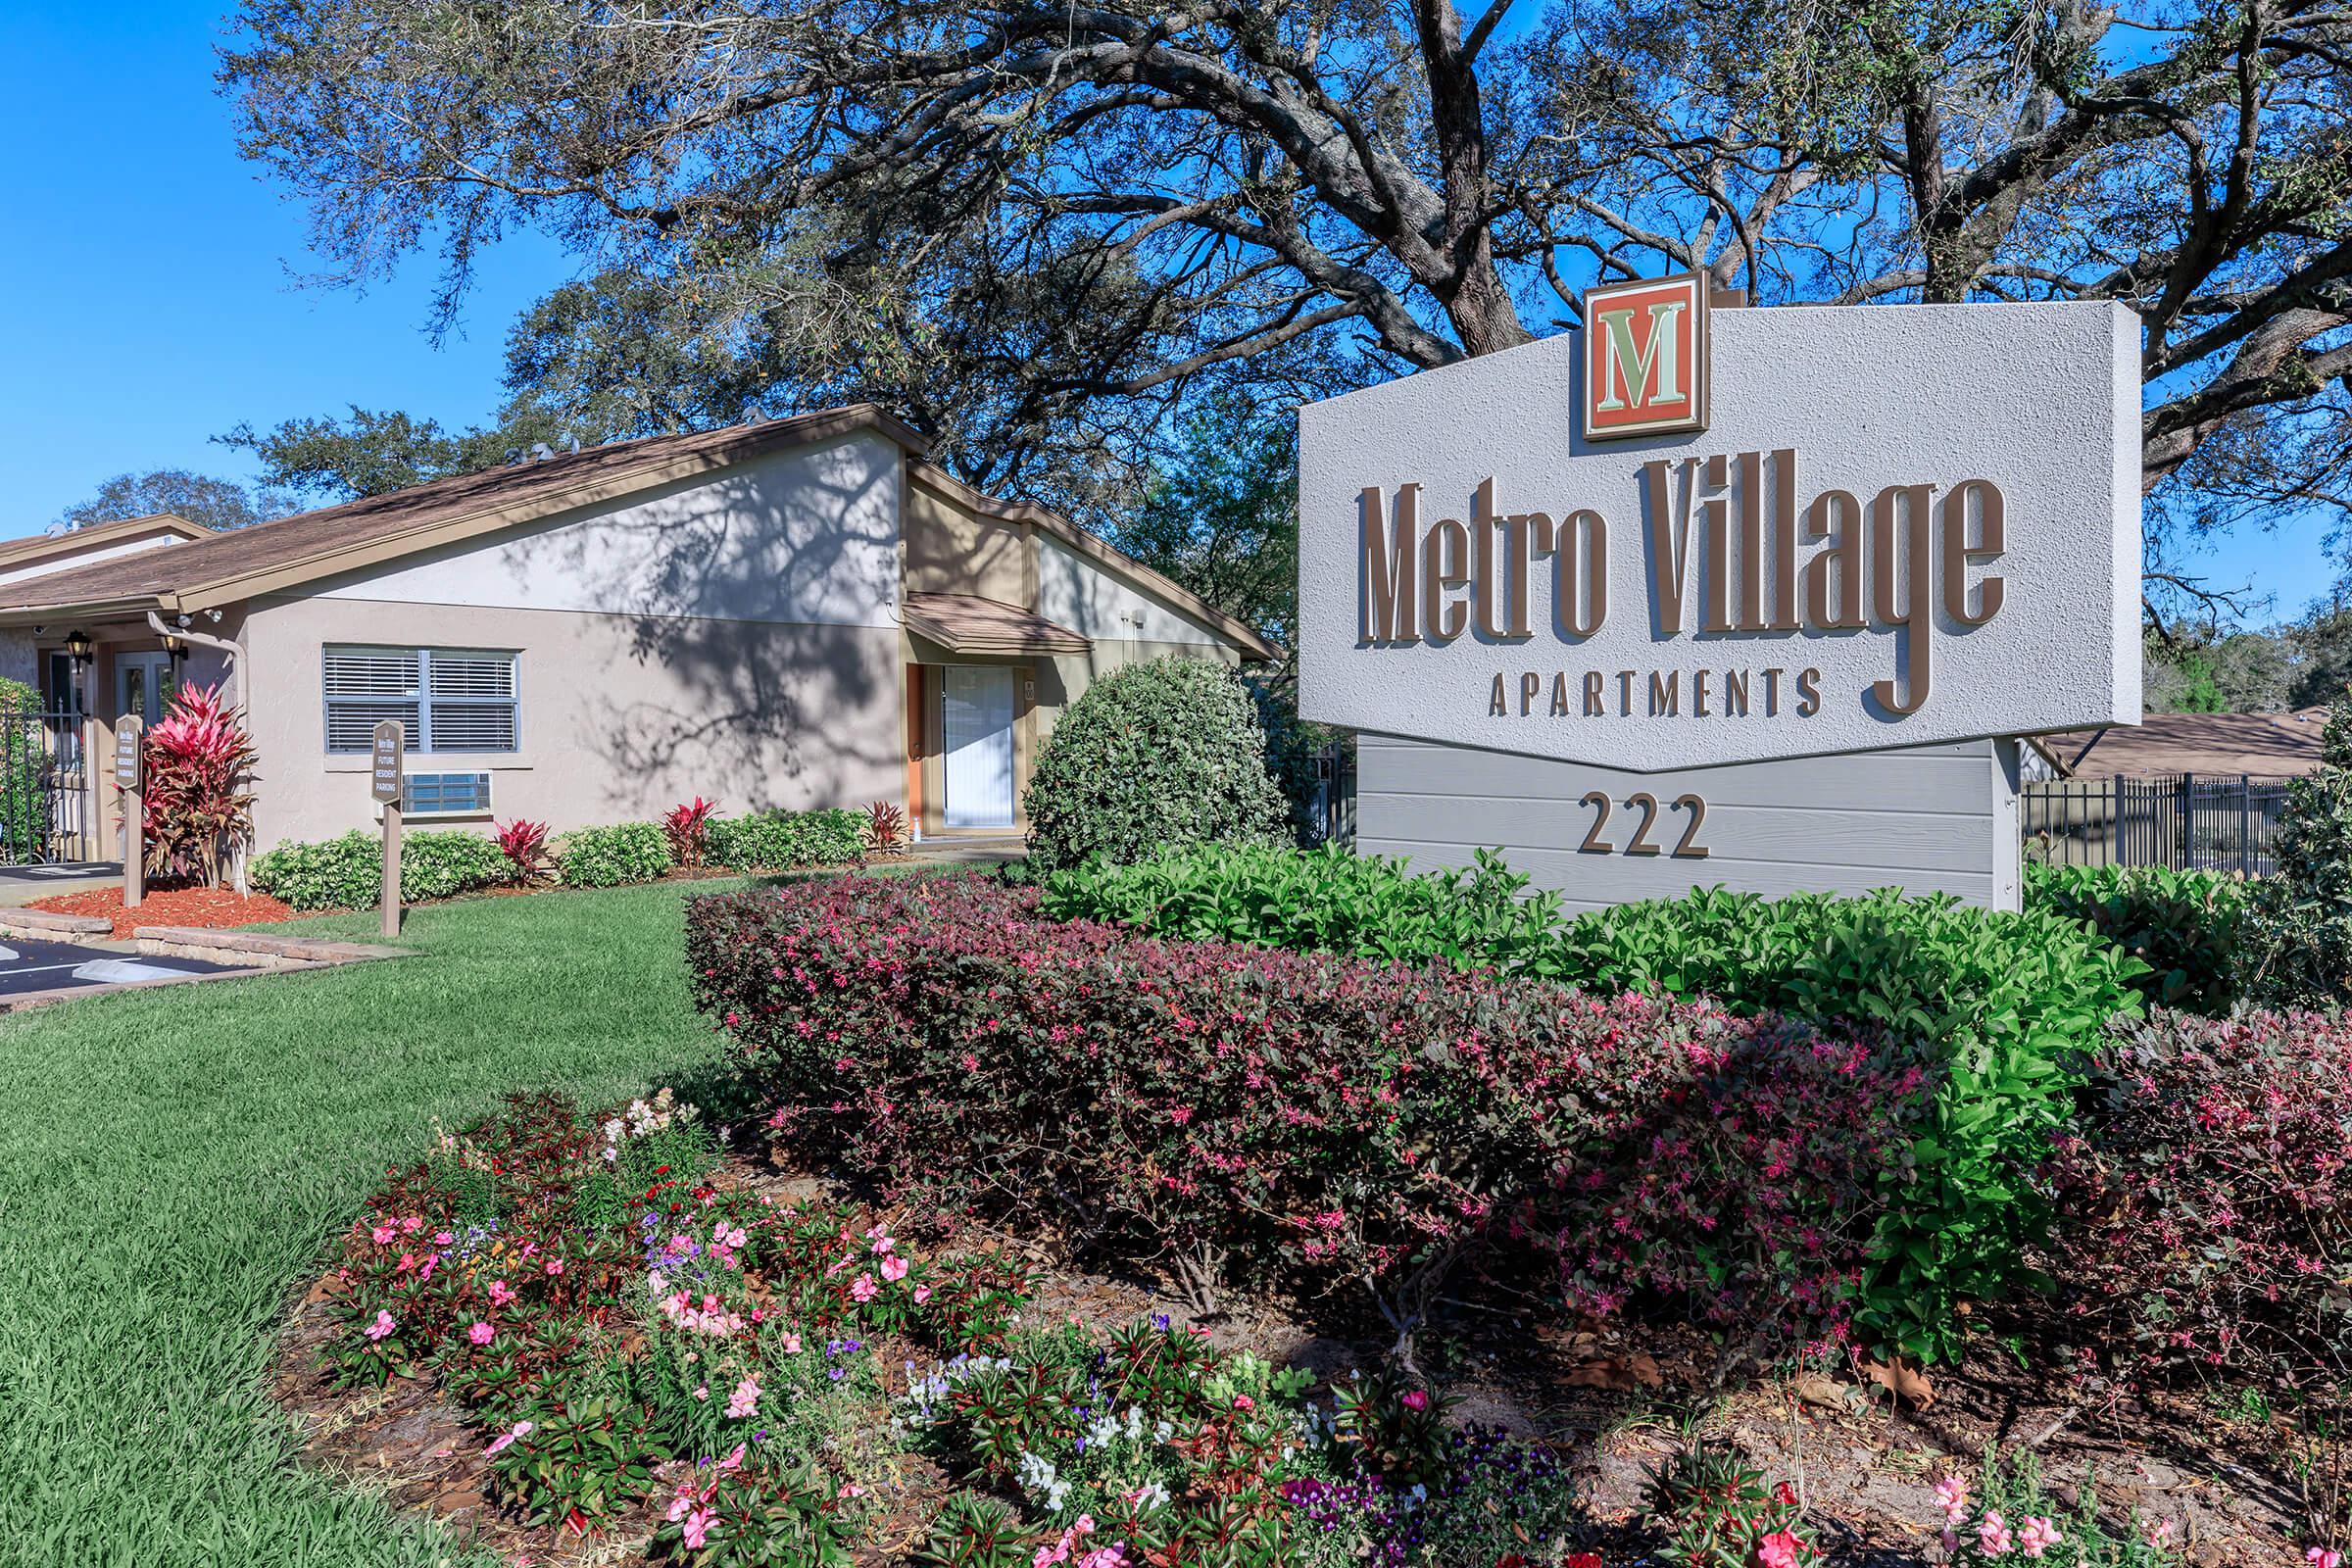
(235, 655)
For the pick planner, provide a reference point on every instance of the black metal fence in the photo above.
(1335, 792)
(2183, 820)
(45, 816)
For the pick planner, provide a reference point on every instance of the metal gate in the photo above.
(47, 815)
(2182, 820)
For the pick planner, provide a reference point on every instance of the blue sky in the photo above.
(152, 280)
(154, 298)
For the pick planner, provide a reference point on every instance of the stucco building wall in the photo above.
(620, 716)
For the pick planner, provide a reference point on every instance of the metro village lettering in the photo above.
(1725, 541)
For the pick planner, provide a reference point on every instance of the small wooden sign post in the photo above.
(130, 779)
(388, 763)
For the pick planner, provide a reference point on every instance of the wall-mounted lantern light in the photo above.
(77, 646)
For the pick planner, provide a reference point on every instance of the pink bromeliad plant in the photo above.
(197, 809)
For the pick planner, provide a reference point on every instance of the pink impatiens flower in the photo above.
(894, 1269)
(922, 1294)
(1415, 1399)
(481, 1334)
(554, 1266)
(865, 1290)
(382, 1325)
(521, 1429)
(501, 1294)
(696, 1528)
(383, 1235)
(2323, 1557)
(1779, 1550)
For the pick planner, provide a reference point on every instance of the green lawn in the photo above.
(174, 1163)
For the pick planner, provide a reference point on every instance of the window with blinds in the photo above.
(450, 699)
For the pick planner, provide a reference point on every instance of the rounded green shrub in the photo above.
(1160, 754)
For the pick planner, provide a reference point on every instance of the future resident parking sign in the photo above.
(1690, 537)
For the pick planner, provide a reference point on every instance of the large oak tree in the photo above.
(1033, 228)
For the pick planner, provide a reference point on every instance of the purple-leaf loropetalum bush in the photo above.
(1326, 1120)
(2207, 1200)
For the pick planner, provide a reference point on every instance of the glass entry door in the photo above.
(143, 685)
(976, 713)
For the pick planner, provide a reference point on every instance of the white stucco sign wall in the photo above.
(1899, 527)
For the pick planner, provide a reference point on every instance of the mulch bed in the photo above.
(210, 909)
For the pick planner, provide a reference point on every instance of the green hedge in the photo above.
(347, 872)
(1324, 899)
(2001, 1009)
(24, 760)
(786, 840)
(608, 856)
(2184, 926)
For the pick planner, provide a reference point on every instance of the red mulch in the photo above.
(210, 908)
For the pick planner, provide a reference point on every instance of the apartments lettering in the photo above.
(1732, 551)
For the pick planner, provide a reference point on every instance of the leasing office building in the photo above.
(795, 614)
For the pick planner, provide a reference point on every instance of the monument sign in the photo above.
(1860, 548)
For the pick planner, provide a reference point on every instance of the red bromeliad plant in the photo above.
(688, 828)
(198, 809)
(886, 828)
(524, 845)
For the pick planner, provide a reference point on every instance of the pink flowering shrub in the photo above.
(2208, 1199)
(1324, 1119)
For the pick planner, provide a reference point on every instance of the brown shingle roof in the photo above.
(2219, 745)
(313, 544)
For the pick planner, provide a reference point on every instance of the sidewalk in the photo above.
(21, 884)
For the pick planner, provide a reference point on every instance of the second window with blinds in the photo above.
(450, 699)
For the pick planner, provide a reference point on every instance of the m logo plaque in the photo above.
(1646, 357)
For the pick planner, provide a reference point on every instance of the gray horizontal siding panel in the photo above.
(1930, 819)
(1936, 780)
(1777, 834)
(1602, 879)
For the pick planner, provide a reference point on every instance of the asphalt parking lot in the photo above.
(26, 966)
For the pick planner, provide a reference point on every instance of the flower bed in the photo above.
(630, 1331)
(210, 908)
(1257, 1113)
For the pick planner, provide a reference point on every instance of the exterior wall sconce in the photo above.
(175, 645)
(78, 647)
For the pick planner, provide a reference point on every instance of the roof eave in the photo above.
(327, 560)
